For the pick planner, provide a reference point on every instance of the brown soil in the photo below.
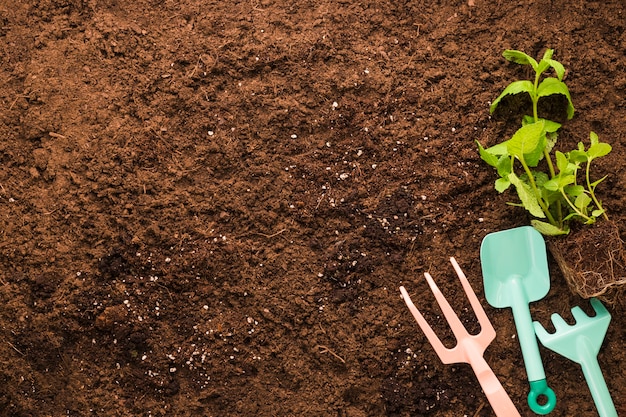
(208, 206)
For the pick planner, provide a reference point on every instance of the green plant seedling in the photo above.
(553, 195)
(580, 198)
(538, 88)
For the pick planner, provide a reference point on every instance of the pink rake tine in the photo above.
(446, 355)
(469, 348)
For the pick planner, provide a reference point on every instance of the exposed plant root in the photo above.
(324, 349)
(592, 260)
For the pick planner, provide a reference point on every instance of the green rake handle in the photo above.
(595, 379)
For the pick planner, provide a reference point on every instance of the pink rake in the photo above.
(469, 348)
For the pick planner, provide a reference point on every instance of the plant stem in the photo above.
(535, 99)
(559, 209)
(550, 165)
(546, 154)
(588, 219)
(542, 203)
(591, 191)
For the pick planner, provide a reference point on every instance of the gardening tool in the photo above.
(581, 344)
(515, 273)
(469, 348)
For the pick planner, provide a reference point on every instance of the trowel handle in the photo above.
(530, 351)
(526, 336)
(596, 382)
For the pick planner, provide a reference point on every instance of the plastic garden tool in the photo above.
(469, 348)
(581, 344)
(515, 273)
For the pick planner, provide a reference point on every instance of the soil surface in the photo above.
(207, 207)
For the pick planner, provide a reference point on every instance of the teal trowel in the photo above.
(515, 273)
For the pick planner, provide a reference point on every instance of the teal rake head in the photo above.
(566, 340)
(581, 343)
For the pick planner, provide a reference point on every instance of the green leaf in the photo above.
(593, 138)
(548, 54)
(559, 69)
(550, 197)
(502, 184)
(489, 158)
(548, 229)
(565, 180)
(552, 185)
(577, 156)
(551, 126)
(574, 190)
(519, 57)
(595, 183)
(499, 149)
(505, 166)
(597, 213)
(550, 129)
(599, 149)
(582, 202)
(559, 182)
(527, 196)
(551, 139)
(533, 159)
(573, 215)
(550, 86)
(565, 165)
(516, 87)
(562, 162)
(540, 178)
(526, 143)
(543, 65)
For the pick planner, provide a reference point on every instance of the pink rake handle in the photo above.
(469, 348)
